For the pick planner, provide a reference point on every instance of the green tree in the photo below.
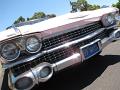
(20, 19)
(37, 15)
(74, 6)
(28, 19)
(93, 7)
(117, 5)
(82, 5)
(114, 5)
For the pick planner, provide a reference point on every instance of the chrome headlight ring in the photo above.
(109, 19)
(25, 81)
(43, 71)
(10, 51)
(33, 44)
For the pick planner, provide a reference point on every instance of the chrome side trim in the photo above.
(5, 66)
(114, 34)
(113, 26)
(109, 39)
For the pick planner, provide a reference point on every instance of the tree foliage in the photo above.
(83, 5)
(93, 7)
(20, 19)
(36, 15)
(74, 6)
(117, 5)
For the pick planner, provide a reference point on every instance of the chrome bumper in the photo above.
(74, 59)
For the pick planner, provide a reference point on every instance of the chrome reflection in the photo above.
(15, 82)
(43, 71)
(74, 59)
(116, 34)
(56, 48)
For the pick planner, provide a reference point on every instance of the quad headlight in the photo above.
(10, 51)
(109, 19)
(33, 44)
(24, 83)
(45, 71)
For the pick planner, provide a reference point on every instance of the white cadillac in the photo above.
(33, 51)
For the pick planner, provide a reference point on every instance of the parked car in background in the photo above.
(33, 51)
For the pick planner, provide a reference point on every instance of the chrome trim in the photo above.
(106, 22)
(39, 40)
(76, 41)
(106, 41)
(74, 59)
(98, 41)
(33, 74)
(13, 79)
(110, 27)
(114, 34)
(36, 70)
(6, 60)
(5, 66)
(109, 39)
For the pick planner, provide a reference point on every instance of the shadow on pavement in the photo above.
(77, 77)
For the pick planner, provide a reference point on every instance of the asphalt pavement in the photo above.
(99, 73)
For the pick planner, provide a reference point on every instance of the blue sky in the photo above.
(10, 10)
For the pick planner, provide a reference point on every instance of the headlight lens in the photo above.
(10, 51)
(46, 71)
(109, 20)
(33, 45)
(23, 83)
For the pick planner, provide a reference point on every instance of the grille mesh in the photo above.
(50, 57)
(70, 36)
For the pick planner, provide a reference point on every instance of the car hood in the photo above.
(65, 19)
(9, 33)
(85, 16)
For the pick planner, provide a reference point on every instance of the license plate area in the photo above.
(91, 49)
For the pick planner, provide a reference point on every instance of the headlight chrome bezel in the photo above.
(7, 59)
(27, 85)
(109, 19)
(39, 46)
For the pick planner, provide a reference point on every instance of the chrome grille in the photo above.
(61, 54)
(54, 56)
(70, 36)
(49, 57)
